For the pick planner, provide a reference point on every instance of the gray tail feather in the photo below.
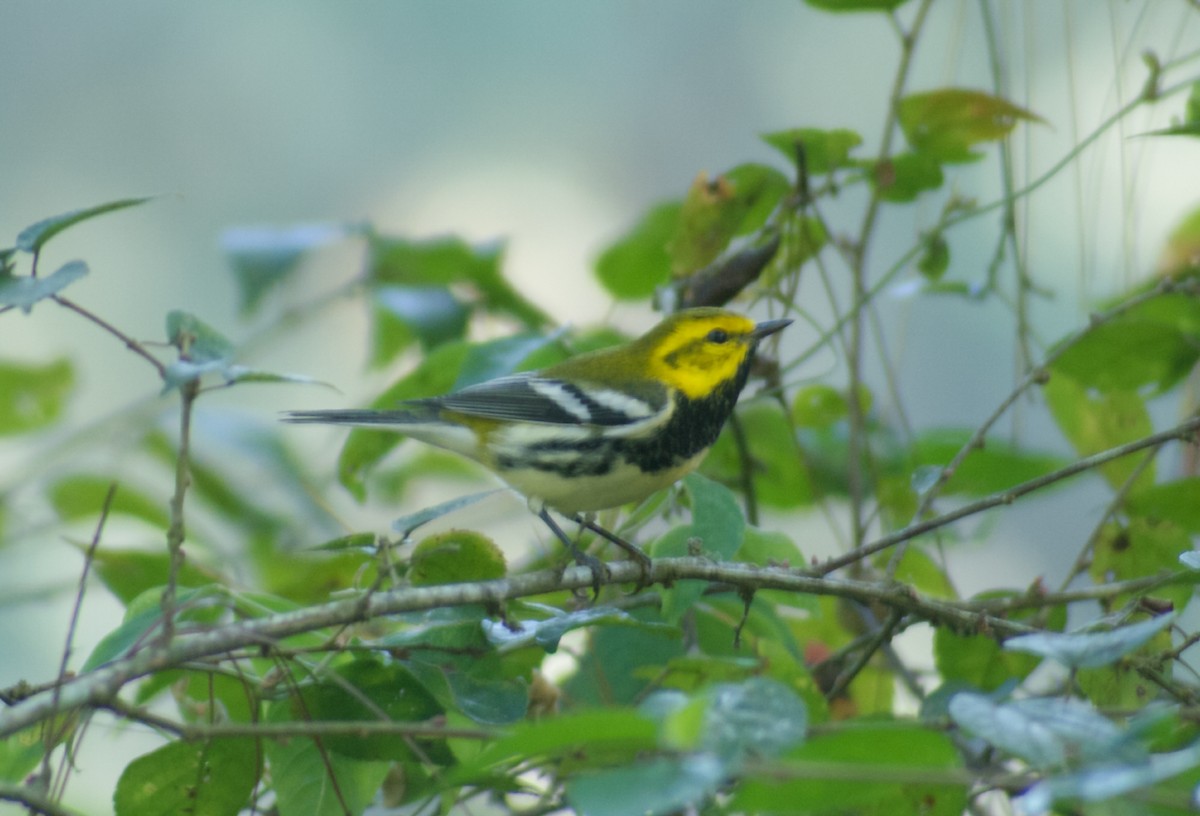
(353, 417)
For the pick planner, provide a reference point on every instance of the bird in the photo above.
(598, 430)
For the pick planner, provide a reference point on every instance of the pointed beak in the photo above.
(768, 327)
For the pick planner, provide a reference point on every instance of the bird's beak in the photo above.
(768, 327)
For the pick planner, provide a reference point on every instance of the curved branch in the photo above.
(101, 686)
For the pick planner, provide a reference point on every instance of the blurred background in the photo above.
(548, 126)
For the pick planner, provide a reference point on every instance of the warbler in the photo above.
(596, 431)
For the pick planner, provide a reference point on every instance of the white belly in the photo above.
(582, 494)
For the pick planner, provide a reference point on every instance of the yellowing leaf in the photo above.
(946, 123)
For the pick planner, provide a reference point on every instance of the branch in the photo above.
(131, 344)
(35, 802)
(101, 686)
(1180, 431)
(176, 532)
(1039, 376)
(289, 730)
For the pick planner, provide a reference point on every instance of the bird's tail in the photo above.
(362, 418)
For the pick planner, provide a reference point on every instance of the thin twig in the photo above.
(745, 469)
(1085, 553)
(1037, 376)
(877, 640)
(1181, 431)
(858, 445)
(176, 531)
(296, 728)
(131, 344)
(52, 736)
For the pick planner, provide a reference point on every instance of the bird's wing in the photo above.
(530, 398)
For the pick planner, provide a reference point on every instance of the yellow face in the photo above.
(697, 354)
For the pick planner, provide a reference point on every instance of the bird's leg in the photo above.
(583, 559)
(636, 552)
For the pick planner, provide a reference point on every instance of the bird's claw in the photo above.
(598, 568)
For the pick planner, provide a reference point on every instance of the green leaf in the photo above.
(129, 573)
(758, 189)
(978, 659)
(777, 468)
(423, 465)
(1084, 650)
(1097, 422)
(946, 123)
(35, 236)
(612, 731)
(807, 236)
(717, 528)
(364, 689)
(310, 780)
(202, 694)
(195, 339)
(1178, 310)
(21, 752)
(841, 772)
(623, 661)
(1045, 732)
(717, 518)
(935, 257)
(202, 349)
(1107, 781)
(904, 176)
(856, 5)
(995, 467)
(242, 374)
(1177, 502)
(919, 570)
(119, 641)
(431, 314)
(364, 448)
(638, 263)
(441, 631)
(264, 257)
(211, 778)
(1137, 549)
(1190, 124)
(714, 211)
(1127, 354)
(312, 577)
(758, 717)
(968, 290)
(32, 396)
(488, 700)
(498, 358)
(144, 615)
(26, 291)
(819, 406)
(456, 556)
(824, 150)
(442, 262)
(652, 787)
(82, 497)
(711, 214)
(1181, 253)
(771, 548)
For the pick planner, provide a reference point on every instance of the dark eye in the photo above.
(718, 336)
